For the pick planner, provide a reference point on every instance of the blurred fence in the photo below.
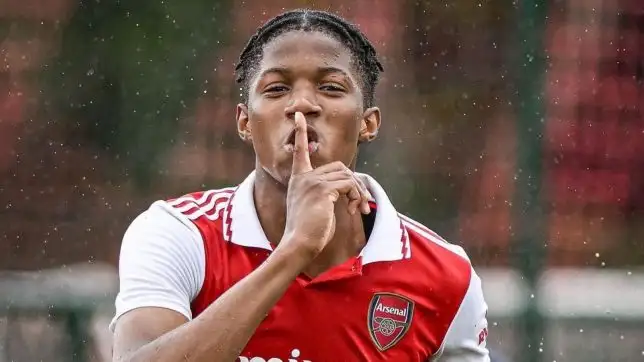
(588, 315)
(529, 117)
(57, 315)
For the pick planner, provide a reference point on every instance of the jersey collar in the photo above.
(388, 240)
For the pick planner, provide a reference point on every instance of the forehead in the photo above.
(306, 48)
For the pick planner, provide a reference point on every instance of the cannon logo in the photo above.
(389, 319)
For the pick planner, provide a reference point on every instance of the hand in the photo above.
(312, 194)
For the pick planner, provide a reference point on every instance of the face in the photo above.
(312, 73)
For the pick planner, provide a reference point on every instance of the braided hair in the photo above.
(361, 49)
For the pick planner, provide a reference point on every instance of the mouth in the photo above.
(311, 135)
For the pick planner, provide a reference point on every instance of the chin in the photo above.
(281, 174)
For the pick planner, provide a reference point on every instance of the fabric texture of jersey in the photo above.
(408, 296)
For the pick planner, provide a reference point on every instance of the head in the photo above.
(312, 62)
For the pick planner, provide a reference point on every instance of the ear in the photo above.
(243, 124)
(369, 125)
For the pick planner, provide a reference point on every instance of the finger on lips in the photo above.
(301, 160)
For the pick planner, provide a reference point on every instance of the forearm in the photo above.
(222, 331)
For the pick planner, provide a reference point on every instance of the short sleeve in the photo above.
(161, 264)
(466, 338)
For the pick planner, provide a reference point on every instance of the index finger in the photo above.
(301, 160)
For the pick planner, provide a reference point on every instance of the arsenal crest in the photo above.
(389, 318)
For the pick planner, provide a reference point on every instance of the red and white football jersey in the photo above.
(408, 296)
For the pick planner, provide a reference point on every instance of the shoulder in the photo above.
(426, 242)
(202, 204)
(162, 261)
(446, 265)
(459, 288)
(176, 227)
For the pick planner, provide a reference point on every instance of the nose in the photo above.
(302, 103)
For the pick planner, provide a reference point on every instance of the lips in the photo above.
(312, 136)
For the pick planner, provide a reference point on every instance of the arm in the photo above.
(161, 270)
(219, 333)
(467, 335)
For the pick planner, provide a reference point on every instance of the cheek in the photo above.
(265, 122)
(268, 133)
(348, 126)
(343, 133)
(261, 133)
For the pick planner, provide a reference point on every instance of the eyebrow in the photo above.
(286, 71)
(327, 70)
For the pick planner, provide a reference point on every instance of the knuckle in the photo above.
(308, 181)
(315, 181)
(338, 164)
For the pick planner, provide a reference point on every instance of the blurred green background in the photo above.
(515, 129)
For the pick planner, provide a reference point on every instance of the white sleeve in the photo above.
(162, 262)
(466, 337)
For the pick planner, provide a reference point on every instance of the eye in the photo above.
(331, 87)
(275, 90)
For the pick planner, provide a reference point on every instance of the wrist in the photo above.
(290, 253)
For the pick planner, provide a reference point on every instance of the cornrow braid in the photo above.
(361, 48)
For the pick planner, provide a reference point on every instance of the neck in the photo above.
(270, 203)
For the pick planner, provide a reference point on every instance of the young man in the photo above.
(305, 260)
